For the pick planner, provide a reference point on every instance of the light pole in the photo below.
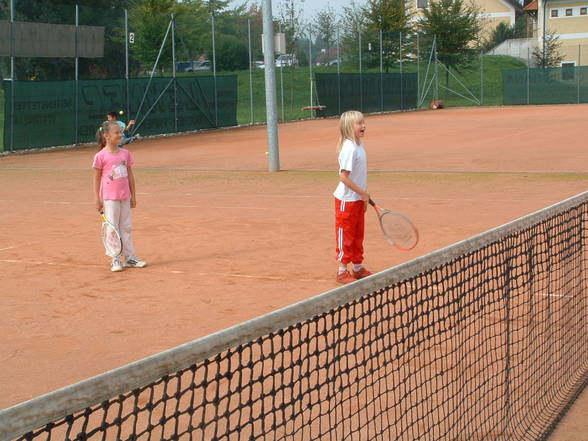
(270, 88)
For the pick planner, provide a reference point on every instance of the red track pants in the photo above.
(349, 230)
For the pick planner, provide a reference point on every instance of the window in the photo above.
(554, 13)
(569, 12)
(567, 70)
(422, 3)
(583, 11)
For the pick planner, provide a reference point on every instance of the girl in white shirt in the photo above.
(351, 197)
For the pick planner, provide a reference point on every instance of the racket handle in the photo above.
(372, 203)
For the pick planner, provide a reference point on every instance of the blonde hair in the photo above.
(346, 127)
(104, 128)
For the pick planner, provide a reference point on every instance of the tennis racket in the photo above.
(110, 237)
(397, 229)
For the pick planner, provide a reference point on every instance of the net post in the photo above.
(270, 87)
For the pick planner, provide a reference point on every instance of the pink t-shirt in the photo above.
(115, 177)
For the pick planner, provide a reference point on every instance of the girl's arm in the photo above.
(132, 186)
(97, 199)
(344, 177)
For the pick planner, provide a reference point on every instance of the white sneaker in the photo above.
(133, 262)
(116, 266)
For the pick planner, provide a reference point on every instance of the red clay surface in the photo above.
(228, 241)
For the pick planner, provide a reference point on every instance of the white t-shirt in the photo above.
(353, 159)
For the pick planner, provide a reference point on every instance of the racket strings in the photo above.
(398, 230)
(111, 239)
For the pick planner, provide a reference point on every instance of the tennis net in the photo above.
(482, 340)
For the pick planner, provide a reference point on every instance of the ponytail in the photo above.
(100, 138)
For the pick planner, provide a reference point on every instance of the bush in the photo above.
(231, 53)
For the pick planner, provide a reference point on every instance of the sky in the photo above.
(310, 7)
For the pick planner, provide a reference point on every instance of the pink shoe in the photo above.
(361, 273)
(345, 278)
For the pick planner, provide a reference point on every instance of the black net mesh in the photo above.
(489, 345)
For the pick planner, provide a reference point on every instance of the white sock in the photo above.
(357, 267)
(342, 269)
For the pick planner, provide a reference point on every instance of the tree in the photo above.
(325, 27)
(391, 18)
(353, 23)
(547, 55)
(292, 25)
(456, 26)
(504, 32)
(150, 19)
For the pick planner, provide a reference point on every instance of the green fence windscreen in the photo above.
(367, 92)
(45, 111)
(552, 85)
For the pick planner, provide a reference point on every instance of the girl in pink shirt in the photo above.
(114, 189)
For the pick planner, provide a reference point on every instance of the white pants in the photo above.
(119, 214)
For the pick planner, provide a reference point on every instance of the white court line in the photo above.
(57, 203)
(216, 274)
(7, 248)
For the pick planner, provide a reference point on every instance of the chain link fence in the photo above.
(65, 67)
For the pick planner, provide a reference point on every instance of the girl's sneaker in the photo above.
(345, 278)
(116, 266)
(133, 262)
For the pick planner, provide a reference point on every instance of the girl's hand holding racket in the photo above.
(397, 229)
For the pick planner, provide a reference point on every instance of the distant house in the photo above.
(568, 21)
(493, 12)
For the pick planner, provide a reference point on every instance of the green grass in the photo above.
(296, 87)
(293, 86)
(490, 92)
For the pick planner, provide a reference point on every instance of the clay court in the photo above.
(227, 241)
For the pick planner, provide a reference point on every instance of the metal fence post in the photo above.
(175, 80)
(401, 76)
(418, 69)
(12, 75)
(128, 98)
(338, 71)
(250, 72)
(310, 67)
(214, 71)
(528, 76)
(481, 78)
(577, 72)
(381, 73)
(360, 75)
(77, 76)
